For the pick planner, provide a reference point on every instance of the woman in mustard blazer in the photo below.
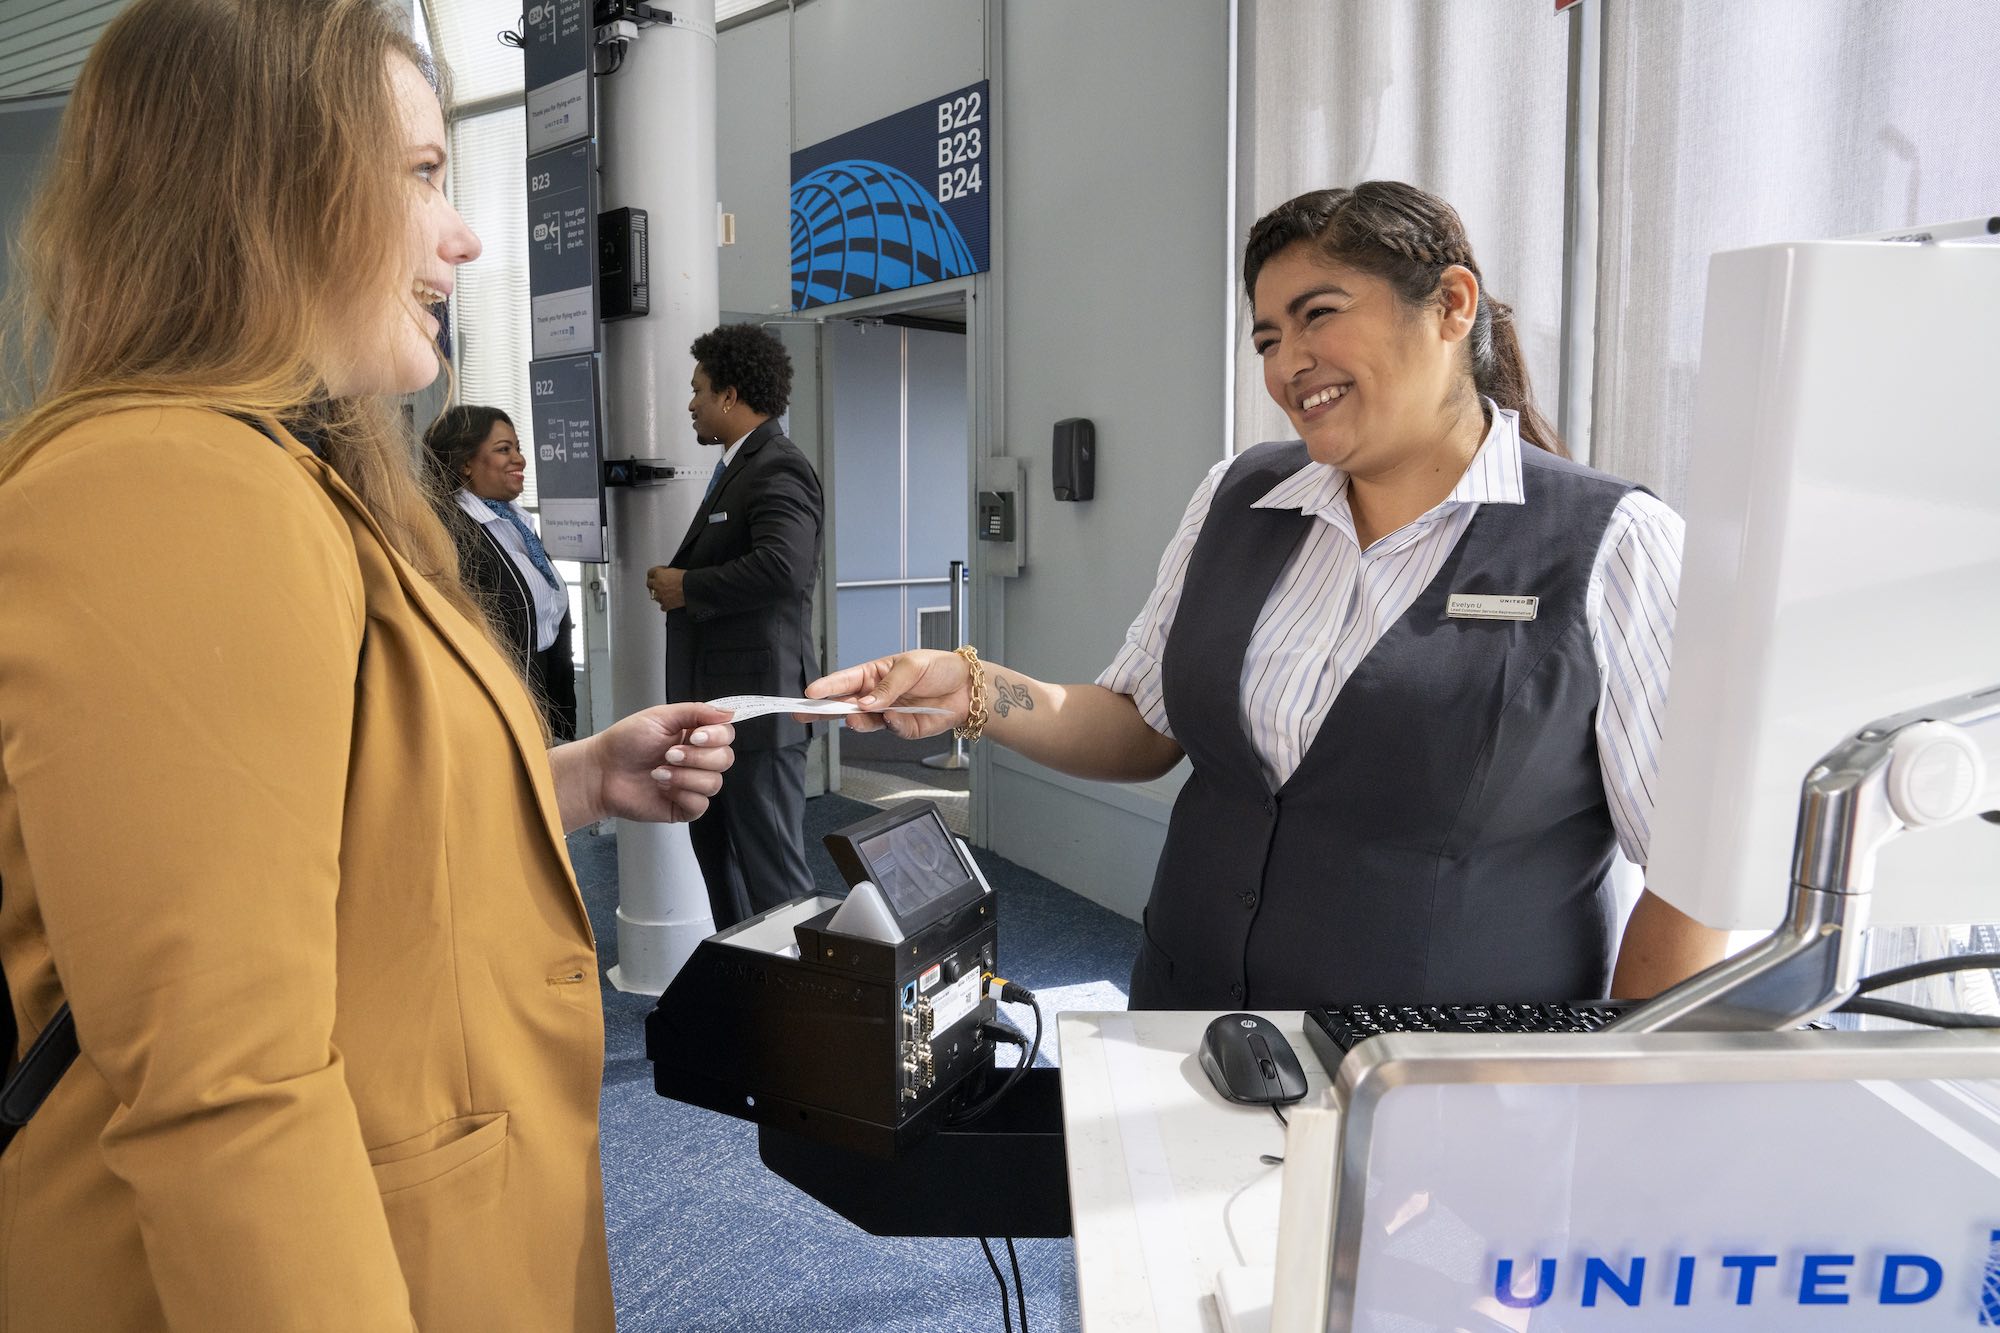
(276, 816)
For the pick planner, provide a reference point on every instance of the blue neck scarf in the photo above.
(535, 551)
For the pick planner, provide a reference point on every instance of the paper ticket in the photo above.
(747, 706)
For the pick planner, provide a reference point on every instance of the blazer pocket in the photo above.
(438, 1151)
(736, 661)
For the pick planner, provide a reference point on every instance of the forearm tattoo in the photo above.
(1008, 696)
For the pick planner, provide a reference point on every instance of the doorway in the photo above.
(898, 412)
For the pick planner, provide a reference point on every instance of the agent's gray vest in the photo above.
(1445, 837)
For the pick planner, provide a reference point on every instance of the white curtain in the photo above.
(1464, 100)
(465, 35)
(1728, 125)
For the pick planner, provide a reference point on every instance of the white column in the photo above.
(656, 141)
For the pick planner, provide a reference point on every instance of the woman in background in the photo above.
(477, 471)
(277, 819)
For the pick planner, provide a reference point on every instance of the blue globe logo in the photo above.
(865, 227)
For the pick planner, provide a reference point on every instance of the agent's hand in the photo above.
(925, 678)
(659, 765)
(663, 585)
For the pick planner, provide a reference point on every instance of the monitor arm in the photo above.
(1925, 767)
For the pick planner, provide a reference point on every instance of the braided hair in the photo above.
(1407, 237)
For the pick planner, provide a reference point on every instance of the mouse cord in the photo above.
(1272, 1159)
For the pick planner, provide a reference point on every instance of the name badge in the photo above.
(717, 518)
(1491, 606)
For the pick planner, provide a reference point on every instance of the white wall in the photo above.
(753, 168)
(1115, 191)
(1111, 272)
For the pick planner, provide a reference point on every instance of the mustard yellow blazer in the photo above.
(277, 822)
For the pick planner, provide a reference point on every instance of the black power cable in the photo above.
(1964, 962)
(1864, 1003)
(1013, 994)
(1006, 1317)
(1020, 1292)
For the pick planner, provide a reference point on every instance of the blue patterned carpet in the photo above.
(704, 1238)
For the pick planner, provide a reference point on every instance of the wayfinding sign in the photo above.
(562, 250)
(556, 47)
(568, 456)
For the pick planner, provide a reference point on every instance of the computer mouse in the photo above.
(1249, 1060)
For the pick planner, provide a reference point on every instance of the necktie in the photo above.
(714, 480)
(535, 551)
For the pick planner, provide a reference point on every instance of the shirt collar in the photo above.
(729, 454)
(1319, 490)
(476, 507)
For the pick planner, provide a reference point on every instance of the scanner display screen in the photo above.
(913, 864)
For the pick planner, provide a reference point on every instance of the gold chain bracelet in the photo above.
(975, 712)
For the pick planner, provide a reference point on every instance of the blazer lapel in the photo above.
(751, 444)
(483, 660)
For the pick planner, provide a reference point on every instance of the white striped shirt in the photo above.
(551, 602)
(1334, 602)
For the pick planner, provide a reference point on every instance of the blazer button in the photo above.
(1249, 900)
(1236, 992)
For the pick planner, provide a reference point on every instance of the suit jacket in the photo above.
(279, 825)
(491, 572)
(751, 558)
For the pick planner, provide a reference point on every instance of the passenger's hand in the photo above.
(925, 678)
(662, 764)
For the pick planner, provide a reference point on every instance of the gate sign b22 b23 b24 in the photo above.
(900, 203)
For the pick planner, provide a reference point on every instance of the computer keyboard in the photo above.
(1334, 1029)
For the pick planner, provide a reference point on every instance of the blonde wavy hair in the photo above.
(227, 177)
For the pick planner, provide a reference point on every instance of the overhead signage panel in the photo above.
(568, 472)
(901, 203)
(556, 50)
(562, 249)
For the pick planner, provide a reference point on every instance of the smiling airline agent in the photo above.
(1416, 658)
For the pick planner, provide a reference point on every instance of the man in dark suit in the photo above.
(738, 598)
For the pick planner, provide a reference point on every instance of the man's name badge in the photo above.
(718, 518)
(1491, 606)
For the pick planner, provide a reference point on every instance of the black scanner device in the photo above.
(1249, 1060)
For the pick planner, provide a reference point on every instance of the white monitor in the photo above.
(1842, 561)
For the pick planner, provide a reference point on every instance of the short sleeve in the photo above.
(1631, 605)
(1135, 670)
